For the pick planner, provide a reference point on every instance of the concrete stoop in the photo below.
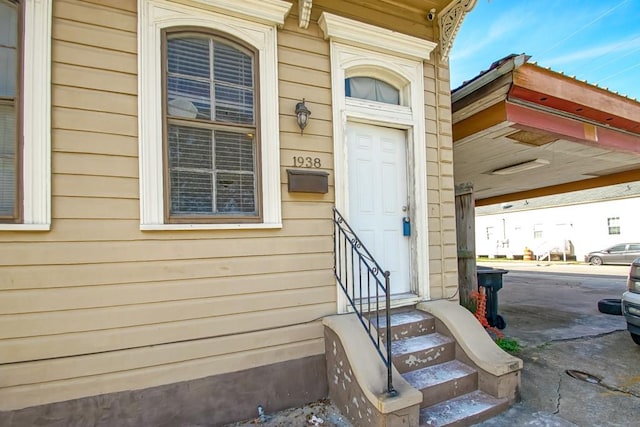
(427, 360)
(461, 378)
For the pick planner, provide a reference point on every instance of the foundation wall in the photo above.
(211, 401)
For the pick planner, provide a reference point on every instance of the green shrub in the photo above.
(509, 345)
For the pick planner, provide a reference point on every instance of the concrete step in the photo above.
(443, 381)
(419, 352)
(463, 410)
(406, 324)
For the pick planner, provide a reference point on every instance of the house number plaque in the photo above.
(307, 162)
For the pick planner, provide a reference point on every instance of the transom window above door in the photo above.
(371, 89)
(211, 141)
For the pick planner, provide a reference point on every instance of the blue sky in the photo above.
(597, 41)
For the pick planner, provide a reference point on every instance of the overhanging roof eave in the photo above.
(502, 68)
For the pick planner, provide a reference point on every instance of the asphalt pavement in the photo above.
(551, 309)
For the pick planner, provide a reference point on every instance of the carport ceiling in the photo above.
(523, 131)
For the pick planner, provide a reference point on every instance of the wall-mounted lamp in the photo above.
(302, 114)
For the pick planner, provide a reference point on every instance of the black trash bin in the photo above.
(491, 280)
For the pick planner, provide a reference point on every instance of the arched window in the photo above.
(371, 89)
(211, 141)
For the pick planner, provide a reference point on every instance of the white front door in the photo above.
(378, 198)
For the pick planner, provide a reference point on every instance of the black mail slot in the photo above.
(308, 181)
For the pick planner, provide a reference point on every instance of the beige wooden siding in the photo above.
(382, 13)
(38, 382)
(443, 266)
(304, 70)
(95, 305)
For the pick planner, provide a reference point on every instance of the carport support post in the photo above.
(466, 237)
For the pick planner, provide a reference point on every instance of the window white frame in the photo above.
(252, 21)
(359, 49)
(36, 113)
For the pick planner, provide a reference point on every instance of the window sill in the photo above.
(169, 227)
(25, 227)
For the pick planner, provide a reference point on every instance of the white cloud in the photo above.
(592, 52)
(498, 32)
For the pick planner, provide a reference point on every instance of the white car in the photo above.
(631, 301)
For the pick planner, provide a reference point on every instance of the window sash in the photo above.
(613, 224)
(537, 231)
(10, 54)
(212, 162)
(211, 146)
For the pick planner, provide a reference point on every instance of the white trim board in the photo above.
(356, 33)
(36, 91)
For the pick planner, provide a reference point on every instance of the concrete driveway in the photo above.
(551, 309)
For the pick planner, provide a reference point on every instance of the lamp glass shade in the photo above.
(302, 114)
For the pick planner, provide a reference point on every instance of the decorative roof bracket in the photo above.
(304, 13)
(449, 20)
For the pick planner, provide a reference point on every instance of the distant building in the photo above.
(563, 225)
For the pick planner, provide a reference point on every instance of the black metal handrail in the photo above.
(356, 270)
